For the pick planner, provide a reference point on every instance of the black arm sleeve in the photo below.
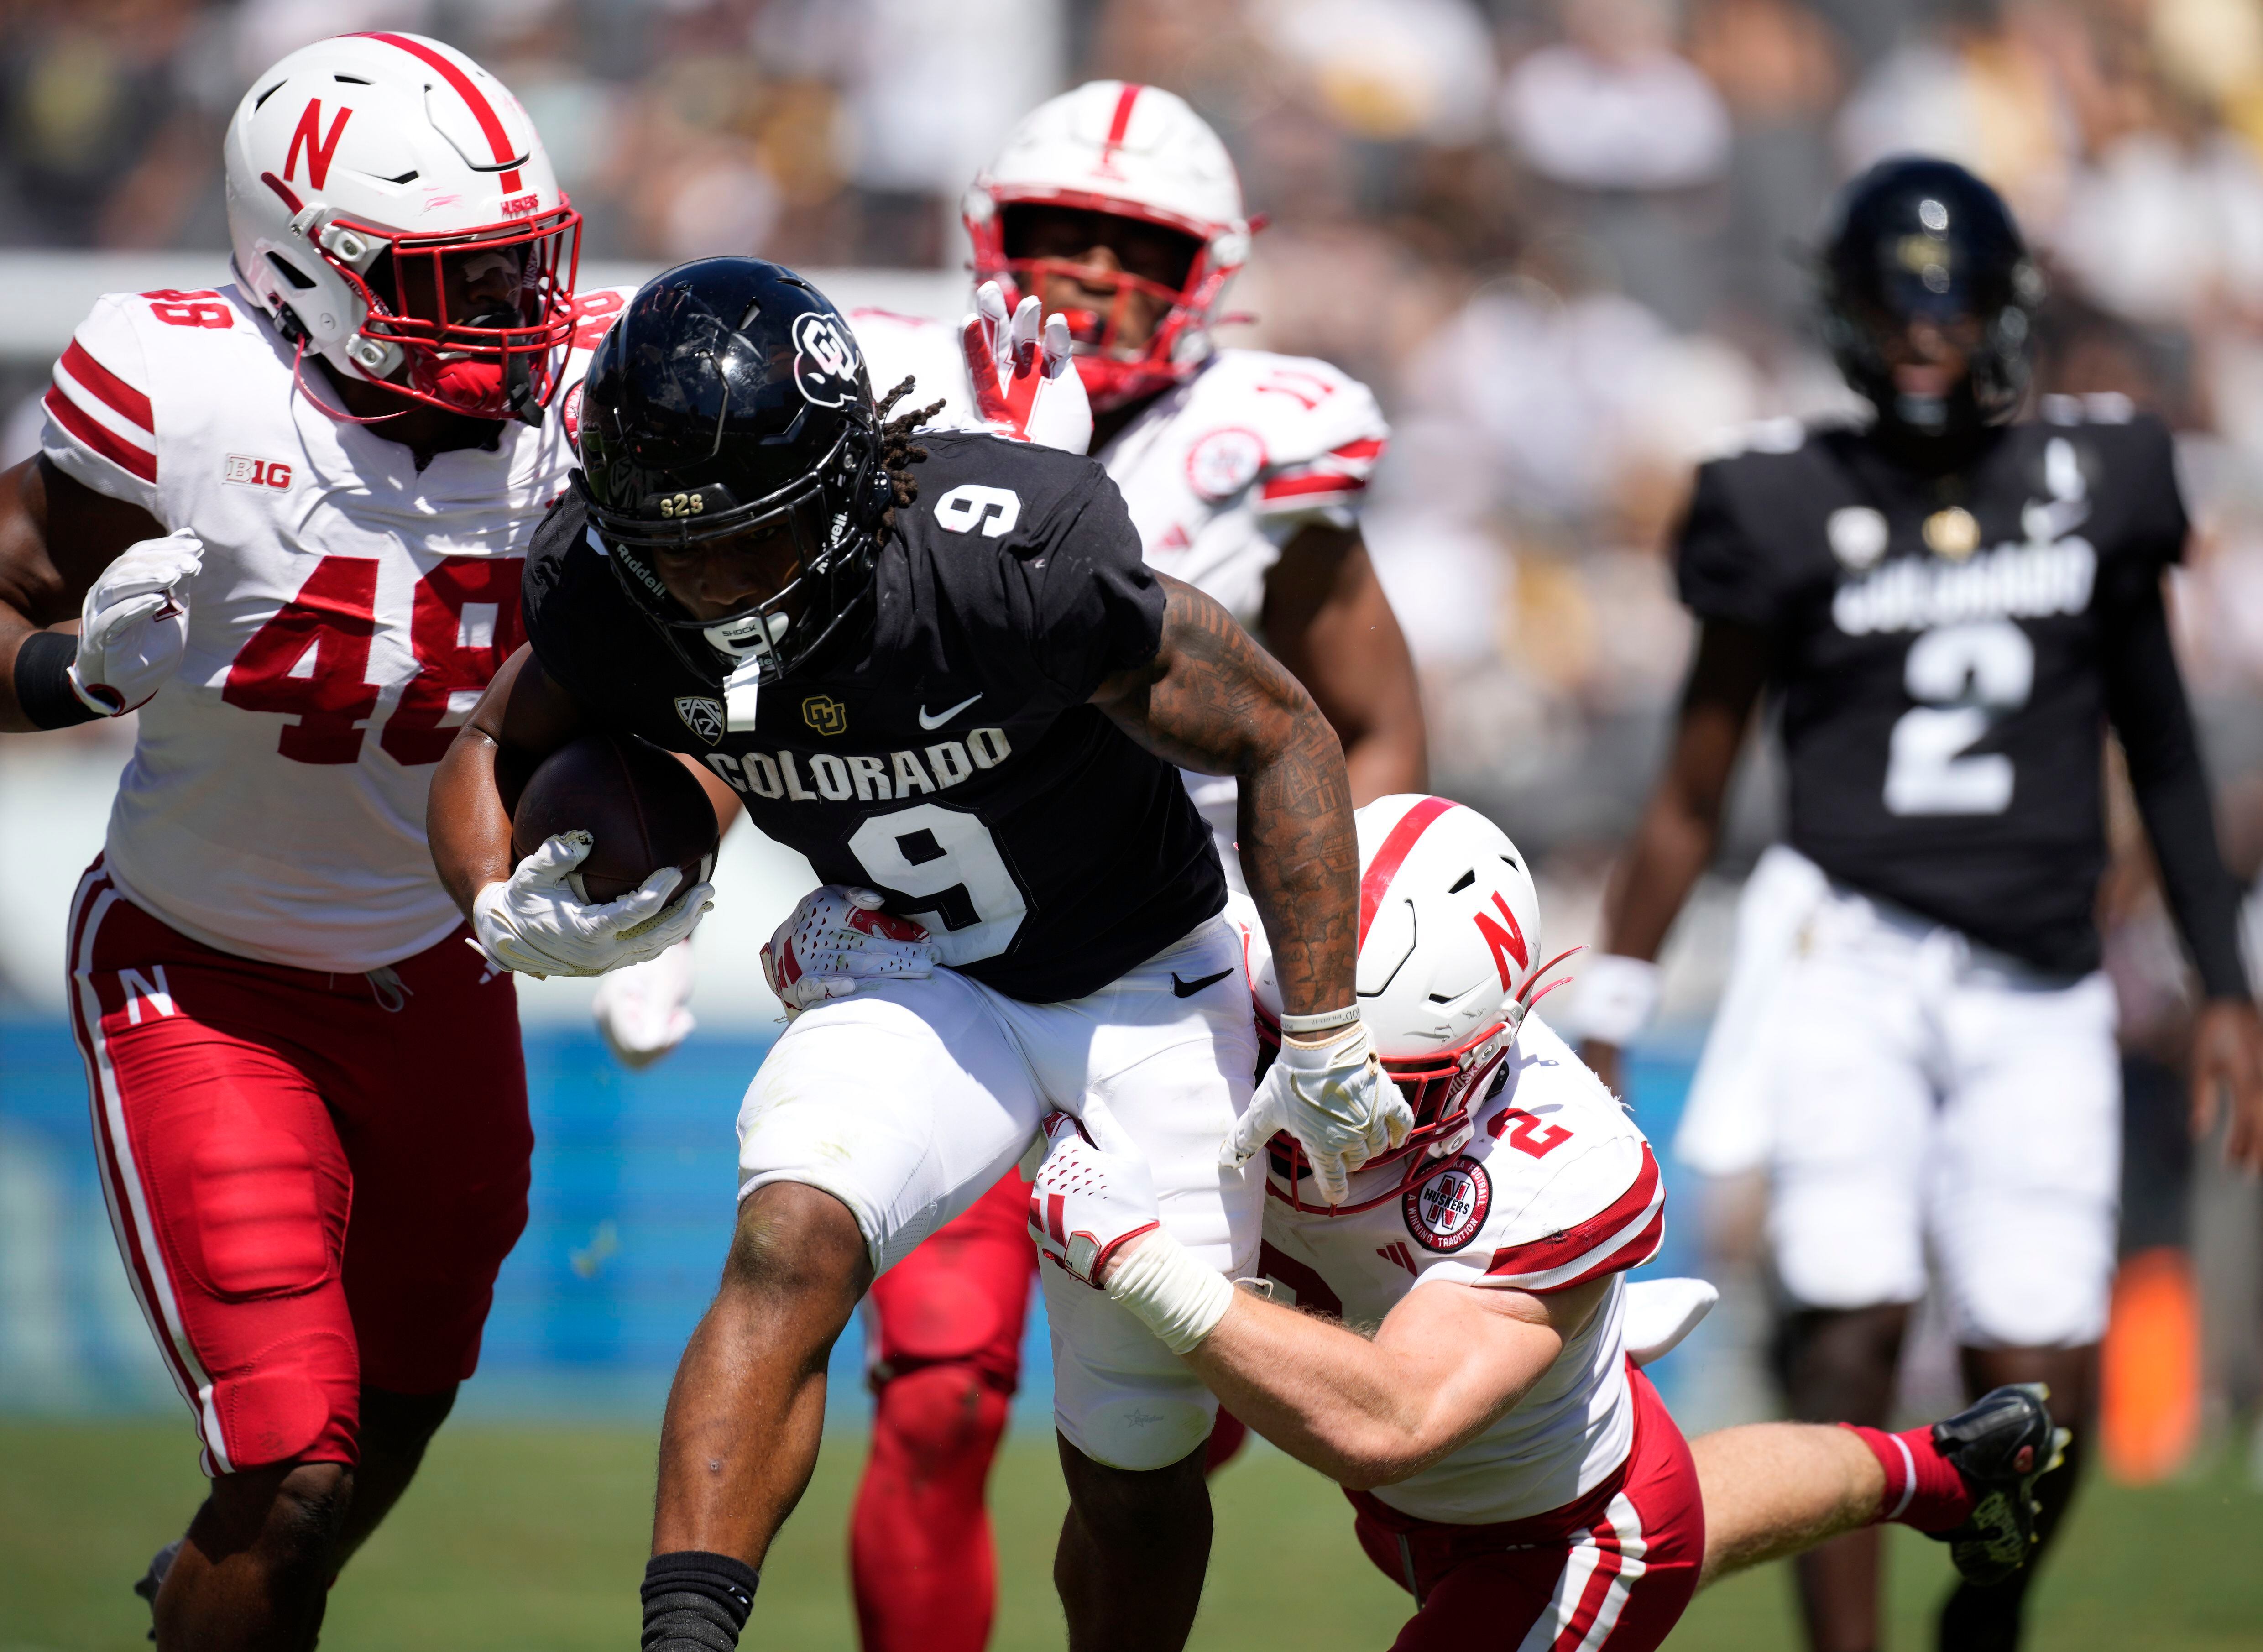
(2146, 698)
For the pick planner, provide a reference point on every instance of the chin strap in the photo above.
(299, 383)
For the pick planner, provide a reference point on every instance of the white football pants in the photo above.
(909, 1100)
(1916, 1088)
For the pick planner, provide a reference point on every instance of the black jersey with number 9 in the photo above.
(945, 754)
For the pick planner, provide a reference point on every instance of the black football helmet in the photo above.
(1919, 239)
(730, 397)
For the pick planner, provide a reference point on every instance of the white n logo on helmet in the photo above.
(970, 506)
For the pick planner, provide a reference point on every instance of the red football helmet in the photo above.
(1131, 151)
(1449, 965)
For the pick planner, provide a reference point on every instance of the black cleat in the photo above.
(2000, 1447)
(153, 1580)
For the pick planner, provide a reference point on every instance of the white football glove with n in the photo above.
(1094, 1213)
(643, 1010)
(836, 937)
(536, 924)
(1331, 1094)
(133, 627)
(1026, 385)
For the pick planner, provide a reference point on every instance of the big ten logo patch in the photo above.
(247, 472)
(826, 714)
(1445, 1209)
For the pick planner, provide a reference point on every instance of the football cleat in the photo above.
(2000, 1447)
(153, 1580)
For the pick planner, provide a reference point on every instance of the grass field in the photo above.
(527, 1540)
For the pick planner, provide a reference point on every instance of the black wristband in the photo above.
(43, 689)
(696, 1602)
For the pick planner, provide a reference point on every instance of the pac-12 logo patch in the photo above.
(1445, 1209)
(702, 717)
(1224, 462)
(825, 360)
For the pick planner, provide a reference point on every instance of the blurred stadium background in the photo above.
(1561, 238)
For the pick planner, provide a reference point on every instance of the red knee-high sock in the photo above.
(925, 1572)
(1923, 1488)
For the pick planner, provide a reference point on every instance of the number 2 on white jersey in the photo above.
(1966, 678)
(928, 851)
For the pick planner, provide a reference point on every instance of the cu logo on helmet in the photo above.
(825, 360)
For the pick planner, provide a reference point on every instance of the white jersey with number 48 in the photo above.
(1219, 472)
(351, 610)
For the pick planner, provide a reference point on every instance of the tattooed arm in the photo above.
(1212, 700)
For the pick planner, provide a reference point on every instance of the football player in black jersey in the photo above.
(944, 673)
(1949, 607)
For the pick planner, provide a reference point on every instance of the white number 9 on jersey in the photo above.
(928, 851)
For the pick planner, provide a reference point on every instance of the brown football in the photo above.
(642, 807)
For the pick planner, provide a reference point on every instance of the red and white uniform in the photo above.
(1555, 1187)
(1573, 1522)
(1219, 472)
(308, 1096)
(349, 612)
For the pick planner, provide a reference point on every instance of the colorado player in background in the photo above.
(940, 669)
(1454, 1342)
(290, 512)
(1950, 608)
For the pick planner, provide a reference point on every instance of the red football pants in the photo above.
(945, 1325)
(1612, 1571)
(313, 1179)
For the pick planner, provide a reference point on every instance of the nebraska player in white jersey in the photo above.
(1506, 1461)
(290, 512)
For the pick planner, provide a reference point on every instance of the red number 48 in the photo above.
(311, 660)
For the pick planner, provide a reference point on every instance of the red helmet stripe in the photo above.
(1392, 855)
(482, 111)
(1120, 124)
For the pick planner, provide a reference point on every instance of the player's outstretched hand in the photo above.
(2228, 1060)
(536, 924)
(1026, 385)
(1331, 1095)
(1093, 1195)
(133, 625)
(835, 938)
(644, 1010)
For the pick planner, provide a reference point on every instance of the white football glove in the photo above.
(1026, 385)
(535, 924)
(1333, 1097)
(133, 627)
(835, 938)
(641, 1008)
(1092, 1195)
(1093, 1211)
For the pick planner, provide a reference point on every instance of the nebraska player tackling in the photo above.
(1506, 1460)
(291, 513)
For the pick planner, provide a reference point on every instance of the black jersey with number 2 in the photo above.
(946, 755)
(1946, 651)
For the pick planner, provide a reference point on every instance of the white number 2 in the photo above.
(930, 852)
(1966, 678)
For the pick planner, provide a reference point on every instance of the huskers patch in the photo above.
(1445, 1209)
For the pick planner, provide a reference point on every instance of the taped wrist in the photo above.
(696, 1602)
(43, 684)
(1172, 1294)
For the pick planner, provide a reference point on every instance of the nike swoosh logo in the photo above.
(933, 723)
(1188, 988)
